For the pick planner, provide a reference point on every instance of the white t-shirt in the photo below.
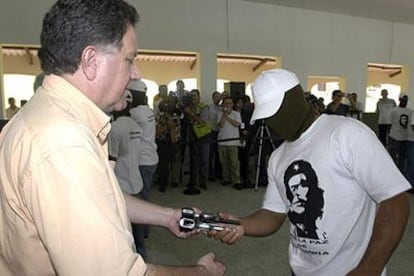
(228, 131)
(124, 143)
(351, 173)
(145, 118)
(400, 122)
(384, 107)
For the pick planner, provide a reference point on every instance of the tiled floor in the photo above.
(251, 256)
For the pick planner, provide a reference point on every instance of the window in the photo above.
(324, 90)
(152, 90)
(249, 91)
(189, 84)
(374, 94)
(220, 85)
(18, 86)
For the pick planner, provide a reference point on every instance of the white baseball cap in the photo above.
(269, 91)
(137, 85)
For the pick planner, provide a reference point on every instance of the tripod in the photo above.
(261, 131)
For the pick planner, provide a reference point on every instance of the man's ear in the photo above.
(89, 62)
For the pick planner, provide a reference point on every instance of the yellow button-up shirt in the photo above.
(61, 208)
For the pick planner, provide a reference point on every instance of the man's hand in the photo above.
(207, 265)
(174, 227)
(210, 265)
(187, 110)
(230, 234)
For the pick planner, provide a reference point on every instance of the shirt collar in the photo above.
(78, 104)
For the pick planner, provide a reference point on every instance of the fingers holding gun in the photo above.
(223, 227)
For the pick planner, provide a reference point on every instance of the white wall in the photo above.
(21, 20)
(309, 42)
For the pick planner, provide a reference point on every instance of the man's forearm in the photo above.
(222, 121)
(158, 270)
(144, 212)
(388, 230)
(262, 223)
(233, 122)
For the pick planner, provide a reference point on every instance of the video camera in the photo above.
(186, 100)
(190, 220)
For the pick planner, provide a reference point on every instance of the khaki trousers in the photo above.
(230, 163)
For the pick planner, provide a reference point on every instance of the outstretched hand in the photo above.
(231, 233)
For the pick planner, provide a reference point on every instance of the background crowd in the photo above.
(225, 153)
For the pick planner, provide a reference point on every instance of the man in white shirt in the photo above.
(124, 145)
(229, 121)
(400, 123)
(343, 195)
(144, 116)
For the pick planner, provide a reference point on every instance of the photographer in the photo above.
(168, 135)
(161, 96)
(197, 112)
(182, 94)
(176, 163)
(337, 106)
(355, 108)
(315, 102)
(182, 99)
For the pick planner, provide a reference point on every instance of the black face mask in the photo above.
(294, 116)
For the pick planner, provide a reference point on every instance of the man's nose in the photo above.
(136, 73)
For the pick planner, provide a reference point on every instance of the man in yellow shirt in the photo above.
(61, 209)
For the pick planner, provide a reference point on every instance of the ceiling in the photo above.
(159, 56)
(191, 58)
(390, 10)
